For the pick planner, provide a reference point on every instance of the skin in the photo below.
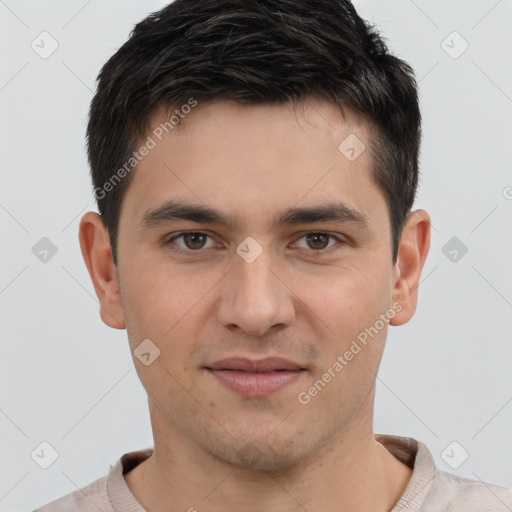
(299, 300)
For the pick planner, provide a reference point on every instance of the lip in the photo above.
(252, 377)
(244, 364)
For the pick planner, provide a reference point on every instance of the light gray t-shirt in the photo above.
(429, 489)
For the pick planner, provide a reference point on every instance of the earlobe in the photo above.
(412, 253)
(97, 254)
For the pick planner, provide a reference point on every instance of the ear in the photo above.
(412, 252)
(97, 254)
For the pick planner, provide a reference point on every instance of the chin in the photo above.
(263, 454)
(250, 456)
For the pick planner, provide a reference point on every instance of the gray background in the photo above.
(69, 380)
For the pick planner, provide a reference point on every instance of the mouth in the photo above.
(255, 377)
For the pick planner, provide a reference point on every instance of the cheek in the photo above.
(347, 309)
(344, 298)
(161, 295)
(169, 306)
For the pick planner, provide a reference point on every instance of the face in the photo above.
(266, 318)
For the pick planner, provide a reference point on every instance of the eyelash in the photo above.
(191, 251)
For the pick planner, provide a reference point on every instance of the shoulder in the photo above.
(106, 494)
(91, 498)
(431, 489)
(453, 493)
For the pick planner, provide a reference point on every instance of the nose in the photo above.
(256, 296)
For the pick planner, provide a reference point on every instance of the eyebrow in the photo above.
(173, 210)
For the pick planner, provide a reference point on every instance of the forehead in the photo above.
(256, 159)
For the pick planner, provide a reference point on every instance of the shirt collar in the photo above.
(406, 449)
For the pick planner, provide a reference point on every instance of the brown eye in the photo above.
(193, 241)
(317, 241)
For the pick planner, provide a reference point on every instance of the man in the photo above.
(255, 165)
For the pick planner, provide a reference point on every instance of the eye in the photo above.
(318, 241)
(196, 241)
(193, 241)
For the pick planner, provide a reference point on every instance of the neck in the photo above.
(351, 473)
